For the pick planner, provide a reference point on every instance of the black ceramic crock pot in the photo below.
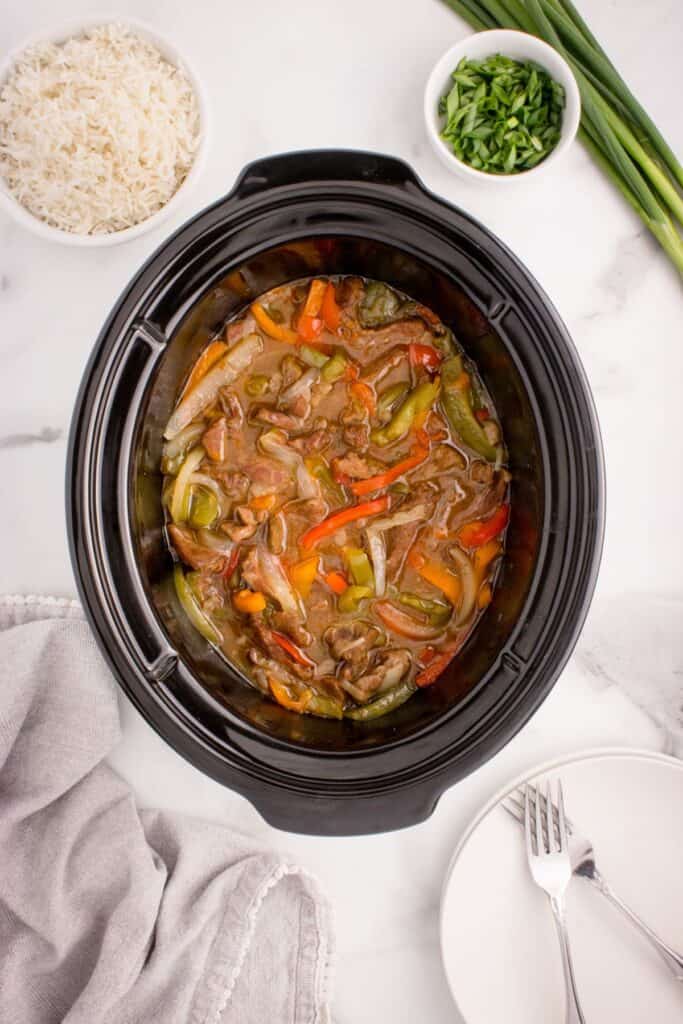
(330, 212)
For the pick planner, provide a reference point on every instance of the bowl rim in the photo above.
(171, 52)
(538, 49)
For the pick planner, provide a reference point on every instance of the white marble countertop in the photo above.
(319, 73)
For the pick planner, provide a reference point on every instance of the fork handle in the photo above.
(672, 959)
(573, 1014)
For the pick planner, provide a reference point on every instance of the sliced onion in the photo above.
(225, 371)
(301, 386)
(274, 443)
(377, 546)
(182, 441)
(179, 502)
(307, 485)
(378, 554)
(209, 539)
(468, 582)
(202, 480)
(192, 608)
(400, 622)
(275, 582)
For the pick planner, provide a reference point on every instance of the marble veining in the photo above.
(45, 436)
(620, 300)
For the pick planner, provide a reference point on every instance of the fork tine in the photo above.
(562, 824)
(527, 822)
(514, 808)
(549, 813)
(540, 841)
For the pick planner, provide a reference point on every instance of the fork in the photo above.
(551, 869)
(582, 858)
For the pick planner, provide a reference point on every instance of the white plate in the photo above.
(499, 946)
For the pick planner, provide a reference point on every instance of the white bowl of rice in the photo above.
(103, 132)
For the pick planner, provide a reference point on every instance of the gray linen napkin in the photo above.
(112, 914)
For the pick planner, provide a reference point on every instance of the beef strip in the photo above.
(210, 589)
(232, 482)
(215, 440)
(194, 554)
(376, 341)
(265, 637)
(284, 420)
(353, 465)
(239, 532)
(402, 538)
(357, 436)
(375, 371)
(352, 641)
(289, 624)
(318, 439)
(234, 414)
(388, 670)
(239, 329)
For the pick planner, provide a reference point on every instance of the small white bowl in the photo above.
(518, 46)
(59, 35)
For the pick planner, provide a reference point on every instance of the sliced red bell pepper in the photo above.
(290, 648)
(377, 483)
(480, 532)
(309, 327)
(310, 323)
(231, 562)
(434, 669)
(424, 355)
(342, 518)
(330, 311)
(365, 395)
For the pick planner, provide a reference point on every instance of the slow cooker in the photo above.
(288, 217)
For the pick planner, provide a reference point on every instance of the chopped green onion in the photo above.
(502, 116)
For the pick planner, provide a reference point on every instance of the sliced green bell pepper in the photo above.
(457, 404)
(383, 704)
(419, 400)
(352, 597)
(358, 564)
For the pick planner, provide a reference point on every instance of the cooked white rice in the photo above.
(96, 133)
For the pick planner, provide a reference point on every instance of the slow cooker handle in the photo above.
(323, 166)
(361, 814)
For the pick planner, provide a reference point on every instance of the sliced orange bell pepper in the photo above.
(249, 601)
(336, 581)
(303, 573)
(283, 696)
(263, 502)
(273, 330)
(314, 299)
(436, 574)
(330, 311)
(211, 354)
(484, 555)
